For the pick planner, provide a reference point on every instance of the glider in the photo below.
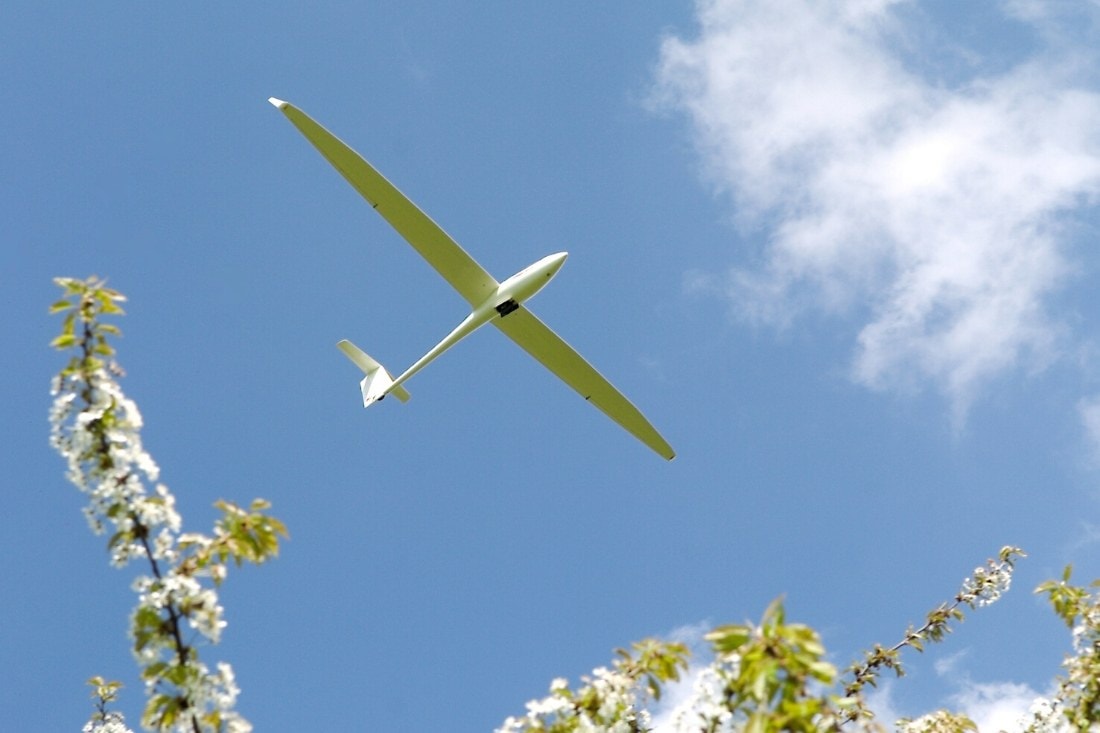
(498, 302)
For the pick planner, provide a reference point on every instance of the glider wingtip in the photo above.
(280, 104)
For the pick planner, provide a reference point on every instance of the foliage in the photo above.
(96, 428)
(774, 676)
(1079, 691)
(766, 677)
(762, 677)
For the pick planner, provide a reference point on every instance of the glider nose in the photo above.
(529, 280)
(555, 261)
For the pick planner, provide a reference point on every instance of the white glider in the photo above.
(500, 303)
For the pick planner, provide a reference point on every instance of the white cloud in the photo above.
(939, 213)
(995, 705)
(1084, 537)
(1088, 410)
(1002, 706)
(947, 665)
(880, 700)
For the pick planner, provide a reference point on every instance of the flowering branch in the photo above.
(766, 677)
(984, 588)
(96, 428)
(1078, 696)
(611, 699)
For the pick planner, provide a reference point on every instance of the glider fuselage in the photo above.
(505, 299)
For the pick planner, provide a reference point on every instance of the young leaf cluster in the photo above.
(103, 720)
(84, 304)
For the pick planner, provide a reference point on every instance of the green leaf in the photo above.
(760, 684)
(108, 308)
(774, 614)
(154, 670)
(70, 284)
(823, 671)
(64, 341)
(113, 294)
(726, 639)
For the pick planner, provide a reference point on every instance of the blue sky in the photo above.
(841, 254)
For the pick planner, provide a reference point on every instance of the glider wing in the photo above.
(443, 253)
(536, 338)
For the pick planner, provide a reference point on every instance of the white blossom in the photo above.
(988, 584)
(706, 708)
(1044, 716)
(96, 429)
(109, 723)
(1086, 633)
(552, 705)
(930, 723)
(617, 710)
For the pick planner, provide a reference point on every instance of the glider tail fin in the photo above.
(378, 382)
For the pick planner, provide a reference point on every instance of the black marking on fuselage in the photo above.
(508, 306)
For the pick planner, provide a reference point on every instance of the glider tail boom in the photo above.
(378, 382)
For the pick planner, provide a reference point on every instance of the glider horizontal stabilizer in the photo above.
(378, 382)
